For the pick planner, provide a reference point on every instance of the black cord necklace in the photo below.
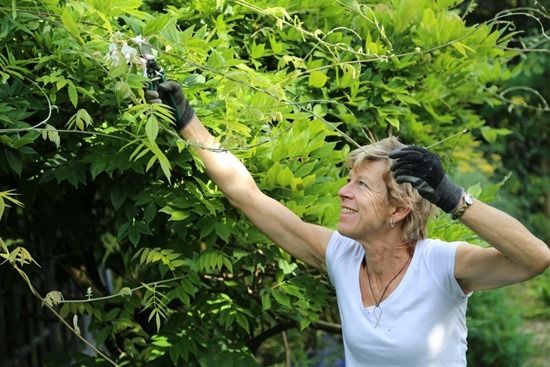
(378, 315)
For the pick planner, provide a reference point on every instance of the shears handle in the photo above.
(154, 72)
(156, 75)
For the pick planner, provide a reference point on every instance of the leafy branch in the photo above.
(124, 292)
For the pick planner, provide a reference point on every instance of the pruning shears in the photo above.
(153, 71)
(156, 75)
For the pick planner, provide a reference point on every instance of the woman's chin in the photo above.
(344, 230)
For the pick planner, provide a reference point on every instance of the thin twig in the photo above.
(49, 107)
(460, 133)
(530, 90)
(5, 131)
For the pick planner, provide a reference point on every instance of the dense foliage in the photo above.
(116, 203)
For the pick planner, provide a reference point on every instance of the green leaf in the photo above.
(374, 47)
(407, 99)
(14, 161)
(158, 23)
(266, 301)
(152, 128)
(117, 197)
(150, 212)
(461, 47)
(68, 20)
(7, 195)
(178, 215)
(134, 236)
(10, 196)
(164, 163)
(242, 321)
(393, 122)
(281, 297)
(277, 47)
(491, 134)
(317, 79)
(139, 152)
(287, 267)
(65, 310)
(150, 163)
(53, 135)
(222, 230)
(79, 120)
(216, 60)
(292, 290)
(257, 50)
(73, 94)
(97, 166)
(161, 341)
(284, 177)
(122, 91)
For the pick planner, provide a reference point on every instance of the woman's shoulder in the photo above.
(343, 254)
(434, 244)
(340, 245)
(435, 252)
(340, 240)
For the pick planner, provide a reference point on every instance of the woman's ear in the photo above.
(399, 213)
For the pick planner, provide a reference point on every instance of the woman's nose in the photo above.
(345, 191)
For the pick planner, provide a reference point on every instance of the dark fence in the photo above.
(29, 333)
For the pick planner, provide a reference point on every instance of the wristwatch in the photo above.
(466, 202)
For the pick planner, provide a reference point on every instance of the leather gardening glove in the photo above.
(170, 93)
(423, 170)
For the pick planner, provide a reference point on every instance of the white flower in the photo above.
(138, 40)
(113, 55)
(129, 52)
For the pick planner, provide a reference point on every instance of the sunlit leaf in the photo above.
(317, 79)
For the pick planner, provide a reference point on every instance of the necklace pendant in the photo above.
(377, 310)
(377, 316)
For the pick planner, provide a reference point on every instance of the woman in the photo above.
(402, 298)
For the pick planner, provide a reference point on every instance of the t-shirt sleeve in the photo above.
(441, 260)
(333, 251)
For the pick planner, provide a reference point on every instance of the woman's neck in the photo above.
(384, 257)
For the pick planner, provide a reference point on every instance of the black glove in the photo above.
(422, 169)
(170, 93)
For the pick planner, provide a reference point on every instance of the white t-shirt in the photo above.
(423, 321)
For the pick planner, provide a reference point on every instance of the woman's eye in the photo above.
(363, 183)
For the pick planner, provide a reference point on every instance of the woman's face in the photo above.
(364, 207)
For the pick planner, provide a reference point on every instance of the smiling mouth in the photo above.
(346, 210)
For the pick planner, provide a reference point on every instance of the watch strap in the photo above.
(465, 202)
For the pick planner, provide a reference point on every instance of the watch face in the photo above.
(468, 199)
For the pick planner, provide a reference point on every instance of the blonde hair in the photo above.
(415, 225)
